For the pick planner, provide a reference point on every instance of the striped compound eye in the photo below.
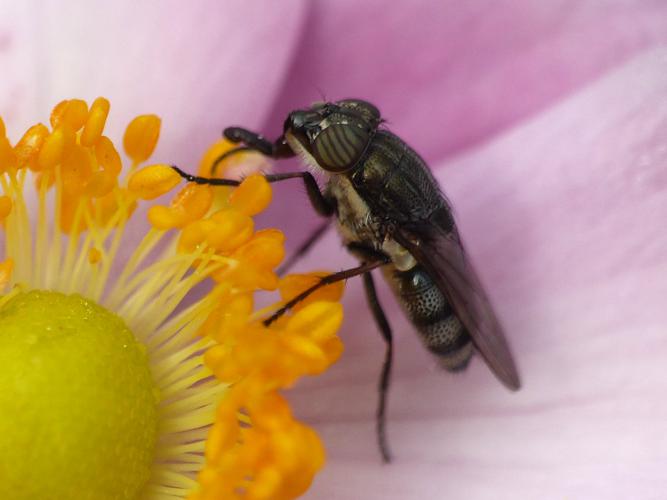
(339, 146)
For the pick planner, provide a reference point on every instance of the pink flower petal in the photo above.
(198, 65)
(564, 217)
(448, 74)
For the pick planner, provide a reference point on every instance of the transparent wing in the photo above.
(440, 252)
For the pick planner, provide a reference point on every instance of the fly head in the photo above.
(334, 134)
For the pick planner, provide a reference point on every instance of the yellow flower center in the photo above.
(78, 402)
(80, 415)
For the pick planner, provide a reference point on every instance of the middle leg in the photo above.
(327, 280)
(385, 374)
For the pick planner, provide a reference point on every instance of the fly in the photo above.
(390, 214)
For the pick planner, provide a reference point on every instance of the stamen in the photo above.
(141, 137)
(252, 196)
(193, 202)
(107, 156)
(255, 448)
(29, 146)
(153, 181)
(8, 158)
(73, 113)
(97, 119)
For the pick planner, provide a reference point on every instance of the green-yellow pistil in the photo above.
(77, 401)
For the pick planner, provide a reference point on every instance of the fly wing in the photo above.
(439, 250)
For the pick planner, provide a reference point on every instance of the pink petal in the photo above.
(564, 217)
(448, 74)
(199, 65)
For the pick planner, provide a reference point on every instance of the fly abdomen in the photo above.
(428, 309)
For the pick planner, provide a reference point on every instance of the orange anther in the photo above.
(333, 348)
(232, 229)
(100, 184)
(73, 113)
(193, 234)
(262, 251)
(232, 317)
(153, 181)
(141, 137)
(272, 234)
(161, 217)
(77, 168)
(252, 196)
(270, 412)
(8, 159)
(193, 200)
(216, 150)
(97, 119)
(107, 156)
(319, 320)
(29, 146)
(311, 357)
(57, 146)
(266, 483)
(247, 276)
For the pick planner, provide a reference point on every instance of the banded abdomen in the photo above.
(428, 310)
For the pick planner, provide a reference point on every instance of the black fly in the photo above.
(390, 214)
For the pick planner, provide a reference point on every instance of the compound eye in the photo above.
(364, 108)
(339, 146)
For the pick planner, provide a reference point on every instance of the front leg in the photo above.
(322, 205)
(256, 142)
(252, 141)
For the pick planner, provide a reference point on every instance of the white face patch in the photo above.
(303, 153)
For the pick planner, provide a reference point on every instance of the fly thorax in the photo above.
(355, 221)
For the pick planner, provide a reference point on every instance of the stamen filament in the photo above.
(42, 233)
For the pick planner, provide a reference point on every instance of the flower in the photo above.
(111, 387)
(503, 99)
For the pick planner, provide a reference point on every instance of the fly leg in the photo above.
(319, 202)
(385, 374)
(326, 280)
(253, 141)
(322, 205)
(279, 148)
